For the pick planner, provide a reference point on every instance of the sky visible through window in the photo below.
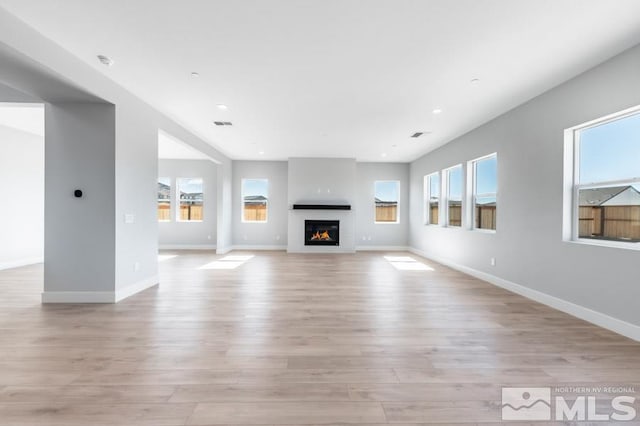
(434, 186)
(486, 176)
(387, 191)
(190, 185)
(611, 151)
(253, 187)
(455, 183)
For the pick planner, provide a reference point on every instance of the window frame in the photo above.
(179, 201)
(473, 196)
(572, 184)
(446, 184)
(170, 200)
(242, 194)
(426, 204)
(397, 221)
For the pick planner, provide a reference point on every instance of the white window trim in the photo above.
(572, 184)
(471, 198)
(177, 197)
(374, 203)
(426, 205)
(242, 219)
(444, 200)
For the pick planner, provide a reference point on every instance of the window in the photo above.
(431, 198)
(485, 188)
(606, 179)
(255, 200)
(387, 199)
(191, 201)
(164, 199)
(454, 195)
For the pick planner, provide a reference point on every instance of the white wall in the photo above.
(22, 189)
(528, 244)
(322, 180)
(273, 233)
(369, 234)
(175, 234)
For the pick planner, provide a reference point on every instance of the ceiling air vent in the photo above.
(417, 134)
(223, 123)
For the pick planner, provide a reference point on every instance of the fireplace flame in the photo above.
(321, 236)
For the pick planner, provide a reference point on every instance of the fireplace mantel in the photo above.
(321, 207)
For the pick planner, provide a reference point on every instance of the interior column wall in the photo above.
(79, 232)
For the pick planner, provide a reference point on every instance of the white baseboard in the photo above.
(132, 289)
(78, 297)
(616, 325)
(98, 296)
(187, 246)
(224, 250)
(21, 262)
(258, 247)
(382, 248)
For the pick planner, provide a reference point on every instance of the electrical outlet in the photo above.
(493, 261)
(136, 267)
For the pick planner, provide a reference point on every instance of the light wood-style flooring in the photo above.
(291, 339)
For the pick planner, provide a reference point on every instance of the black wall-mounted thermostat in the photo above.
(77, 193)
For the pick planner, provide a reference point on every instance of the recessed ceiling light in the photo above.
(261, 153)
(437, 111)
(195, 74)
(106, 60)
(222, 106)
(384, 154)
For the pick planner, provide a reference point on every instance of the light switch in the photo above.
(129, 218)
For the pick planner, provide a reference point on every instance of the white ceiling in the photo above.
(336, 78)
(25, 117)
(172, 148)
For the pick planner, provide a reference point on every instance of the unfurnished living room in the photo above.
(319, 212)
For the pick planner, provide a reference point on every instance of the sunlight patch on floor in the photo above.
(163, 257)
(228, 262)
(407, 263)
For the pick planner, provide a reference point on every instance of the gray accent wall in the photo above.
(528, 246)
(380, 235)
(175, 234)
(323, 181)
(273, 233)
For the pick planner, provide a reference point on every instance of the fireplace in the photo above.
(321, 232)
